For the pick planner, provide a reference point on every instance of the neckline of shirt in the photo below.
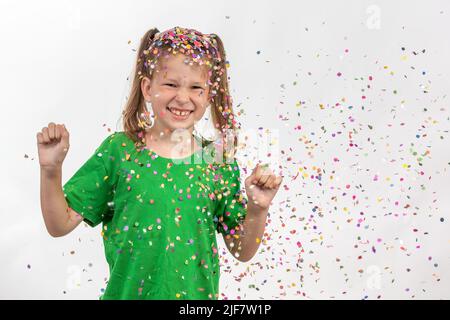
(155, 155)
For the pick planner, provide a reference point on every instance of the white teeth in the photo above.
(179, 113)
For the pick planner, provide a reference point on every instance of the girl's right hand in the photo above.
(53, 145)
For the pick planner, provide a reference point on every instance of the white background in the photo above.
(370, 228)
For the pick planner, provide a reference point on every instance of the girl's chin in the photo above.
(173, 125)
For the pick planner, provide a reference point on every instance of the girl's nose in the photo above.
(182, 96)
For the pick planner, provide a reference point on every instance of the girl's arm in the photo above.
(261, 187)
(58, 217)
(244, 245)
(53, 144)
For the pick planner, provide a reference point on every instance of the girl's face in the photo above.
(178, 93)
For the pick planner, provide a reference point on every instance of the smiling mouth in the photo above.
(179, 113)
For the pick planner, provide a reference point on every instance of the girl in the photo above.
(160, 191)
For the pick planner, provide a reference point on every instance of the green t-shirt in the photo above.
(159, 217)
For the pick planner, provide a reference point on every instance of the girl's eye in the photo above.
(174, 85)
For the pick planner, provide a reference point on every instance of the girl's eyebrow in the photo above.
(173, 80)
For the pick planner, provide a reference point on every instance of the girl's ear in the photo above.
(146, 88)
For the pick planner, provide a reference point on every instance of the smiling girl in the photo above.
(160, 192)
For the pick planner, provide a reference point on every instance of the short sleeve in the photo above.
(232, 202)
(89, 191)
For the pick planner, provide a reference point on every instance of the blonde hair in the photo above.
(222, 114)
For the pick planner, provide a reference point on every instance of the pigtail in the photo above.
(222, 110)
(135, 105)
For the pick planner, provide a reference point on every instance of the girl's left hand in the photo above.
(262, 186)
